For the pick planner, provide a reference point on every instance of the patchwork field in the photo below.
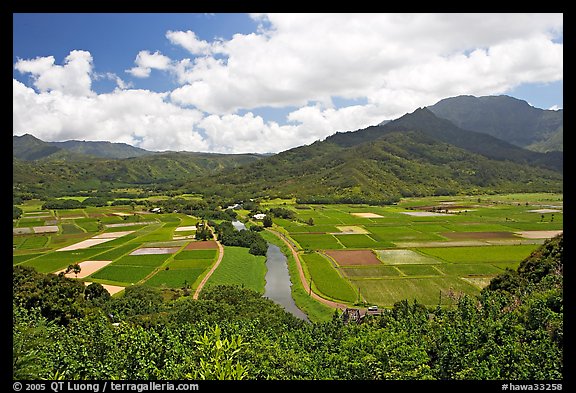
(421, 247)
(113, 247)
(428, 249)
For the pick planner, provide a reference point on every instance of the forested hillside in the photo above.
(415, 155)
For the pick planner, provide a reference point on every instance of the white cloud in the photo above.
(189, 41)
(146, 61)
(297, 59)
(138, 117)
(71, 78)
(393, 63)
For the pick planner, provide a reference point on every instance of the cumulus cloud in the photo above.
(146, 61)
(392, 63)
(189, 41)
(71, 78)
(139, 117)
(298, 59)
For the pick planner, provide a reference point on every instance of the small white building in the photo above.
(259, 216)
(156, 210)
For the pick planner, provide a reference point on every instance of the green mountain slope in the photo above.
(506, 118)
(28, 147)
(103, 149)
(60, 176)
(410, 156)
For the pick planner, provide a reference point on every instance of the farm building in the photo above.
(259, 216)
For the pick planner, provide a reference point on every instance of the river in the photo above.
(278, 284)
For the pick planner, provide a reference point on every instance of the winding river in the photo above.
(278, 284)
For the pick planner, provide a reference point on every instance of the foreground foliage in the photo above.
(513, 331)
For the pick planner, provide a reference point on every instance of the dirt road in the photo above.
(220, 256)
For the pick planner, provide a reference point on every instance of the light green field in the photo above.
(404, 257)
(238, 267)
(55, 261)
(419, 270)
(123, 273)
(174, 278)
(33, 242)
(493, 254)
(370, 271)
(326, 279)
(153, 260)
(469, 269)
(357, 241)
(393, 233)
(117, 252)
(317, 242)
(196, 254)
(190, 263)
(386, 292)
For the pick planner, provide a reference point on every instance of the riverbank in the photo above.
(316, 311)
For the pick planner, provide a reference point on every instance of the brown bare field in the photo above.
(202, 245)
(188, 228)
(424, 214)
(84, 244)
(479, 235)
(112, 289)
(539, 234)
(351, 229)
(112, 235)
(155, 250)
(86, 268)
(367, 215)
(46, 229)
(353, 257)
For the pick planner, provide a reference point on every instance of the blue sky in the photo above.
(238, 83)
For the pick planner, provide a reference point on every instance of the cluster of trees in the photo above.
(229, 236)
(203, 232)
(74, 204)
(512, 331)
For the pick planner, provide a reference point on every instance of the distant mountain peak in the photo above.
(510, 119)
(29, 147)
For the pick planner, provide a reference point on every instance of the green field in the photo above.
(493, 254)
(123, 273)
(404, 257)
(421, 255)
(370, 271)
(238, 267)
(174, 278)
(317, 241)
(33, 242)
(196, 254)
(424, 290)
(327, 280)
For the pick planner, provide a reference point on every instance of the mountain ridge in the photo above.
(507, 118)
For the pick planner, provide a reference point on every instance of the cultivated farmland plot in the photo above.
(376, 254)
(428, 249)
(113, 251)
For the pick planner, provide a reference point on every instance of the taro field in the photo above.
(429, 249)
(115, 246)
